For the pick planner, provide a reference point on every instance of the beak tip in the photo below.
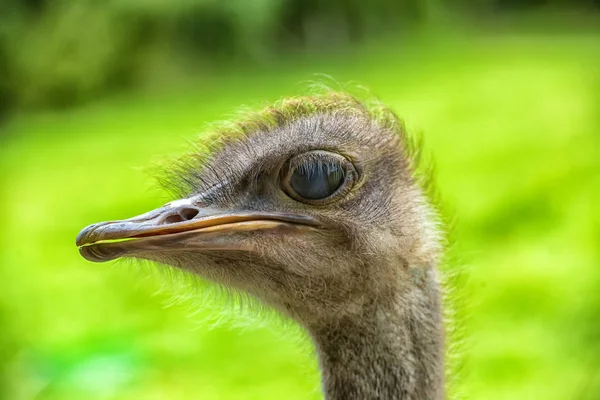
(93, 254)
(79, 239)
(83, 235)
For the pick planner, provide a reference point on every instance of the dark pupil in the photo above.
(317, 180)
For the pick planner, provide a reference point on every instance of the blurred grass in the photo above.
(512, 121)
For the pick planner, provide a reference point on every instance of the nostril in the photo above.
(182, 215)
(173, 218)
(188, 213)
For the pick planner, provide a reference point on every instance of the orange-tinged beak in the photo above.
(180, 226)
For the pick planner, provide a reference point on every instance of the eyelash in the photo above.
(309, 166)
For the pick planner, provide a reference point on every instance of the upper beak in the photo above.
(167, 228)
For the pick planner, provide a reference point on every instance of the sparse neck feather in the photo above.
(392, 351)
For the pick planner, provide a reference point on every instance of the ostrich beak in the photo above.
(183, 225)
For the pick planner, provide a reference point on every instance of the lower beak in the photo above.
(171, 227)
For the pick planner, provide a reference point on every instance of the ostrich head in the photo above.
(310, 205)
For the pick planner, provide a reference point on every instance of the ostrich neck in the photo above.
(392, 351)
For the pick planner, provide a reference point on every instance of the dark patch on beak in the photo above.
(171, 227)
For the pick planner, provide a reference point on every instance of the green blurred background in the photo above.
(507, 93)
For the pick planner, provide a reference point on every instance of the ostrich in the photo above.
(313, 206)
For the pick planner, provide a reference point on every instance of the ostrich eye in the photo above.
(317, 177)
(315, 181)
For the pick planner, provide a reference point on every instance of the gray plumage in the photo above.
(360, 276)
